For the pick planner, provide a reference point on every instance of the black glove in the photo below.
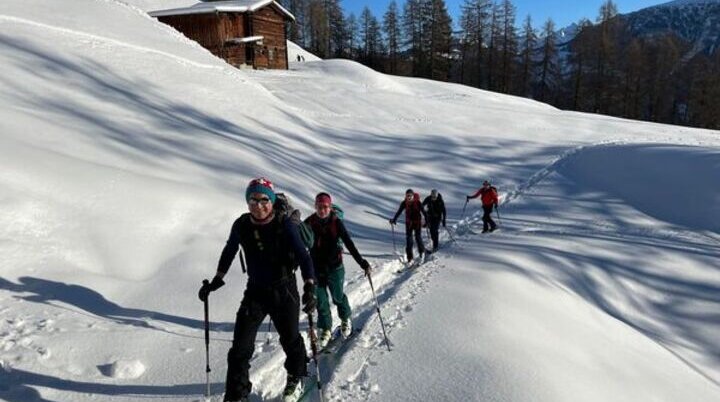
(365, 266)
(308, 298)
(206, 288)
(392, 221)
(495, 205)
(444, 224)
(467, 198)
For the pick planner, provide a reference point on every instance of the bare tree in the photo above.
(549, 70)
(529, 37)
(391, 24)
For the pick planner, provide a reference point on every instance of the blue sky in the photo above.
(563, 12)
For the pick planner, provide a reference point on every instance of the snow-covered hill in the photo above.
(124, 152)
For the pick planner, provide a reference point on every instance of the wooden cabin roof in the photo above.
(228, 6)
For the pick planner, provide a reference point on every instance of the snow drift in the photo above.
(124, 151)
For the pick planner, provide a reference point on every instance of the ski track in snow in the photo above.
(344, 375)
(398, 292)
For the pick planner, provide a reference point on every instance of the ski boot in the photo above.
(324, 338)
(346, 327)
(293, 389)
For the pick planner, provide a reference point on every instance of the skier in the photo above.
(414, 213)
(328, 232)
(489, 197)
(436, 215)
(272, 248)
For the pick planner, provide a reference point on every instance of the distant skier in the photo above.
(329, 236)
(436, 214)
(489, 197)
(272, 248)
(414, 214)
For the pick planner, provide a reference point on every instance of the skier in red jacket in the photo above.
(489, 197)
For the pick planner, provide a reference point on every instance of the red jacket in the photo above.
(489, 196)
(414, 212)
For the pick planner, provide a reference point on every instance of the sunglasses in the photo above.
(263, 201)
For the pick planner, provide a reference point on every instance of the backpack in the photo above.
(285, 210)
(338, 211)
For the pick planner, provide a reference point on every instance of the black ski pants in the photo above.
(282, 303)
(487, 218)
(434, 225)
(410, 232)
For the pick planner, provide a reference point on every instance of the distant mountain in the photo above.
(695, 21)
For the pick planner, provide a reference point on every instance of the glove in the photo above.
(444, 225)
(366, 267)
(205, 290)
(392, 221)
(467, 198)
(308, 298)
(495, 205)
(425, 224)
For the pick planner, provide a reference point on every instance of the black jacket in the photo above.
(267, 251)
(435, 209)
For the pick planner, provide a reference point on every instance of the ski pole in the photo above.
(393, 235)
(207, 344)
(463, 211)
(314, 348)
(449, 233)
(497, 211)
(377, 308)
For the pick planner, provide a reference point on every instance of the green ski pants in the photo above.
(334, 283)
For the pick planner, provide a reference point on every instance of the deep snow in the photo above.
(125, 152)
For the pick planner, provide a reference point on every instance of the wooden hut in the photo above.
(246, 33)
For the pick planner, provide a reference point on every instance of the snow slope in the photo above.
(125, 152)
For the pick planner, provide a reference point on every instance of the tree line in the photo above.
(605, 68)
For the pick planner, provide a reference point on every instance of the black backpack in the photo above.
(285, 210)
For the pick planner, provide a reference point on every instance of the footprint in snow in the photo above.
(123, 369)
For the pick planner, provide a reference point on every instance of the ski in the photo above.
(416, 262)
(337, 345)
(309, 389)
(338, 341)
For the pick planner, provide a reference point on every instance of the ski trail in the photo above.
(345, 374)
(350, 380)
(543, 173)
